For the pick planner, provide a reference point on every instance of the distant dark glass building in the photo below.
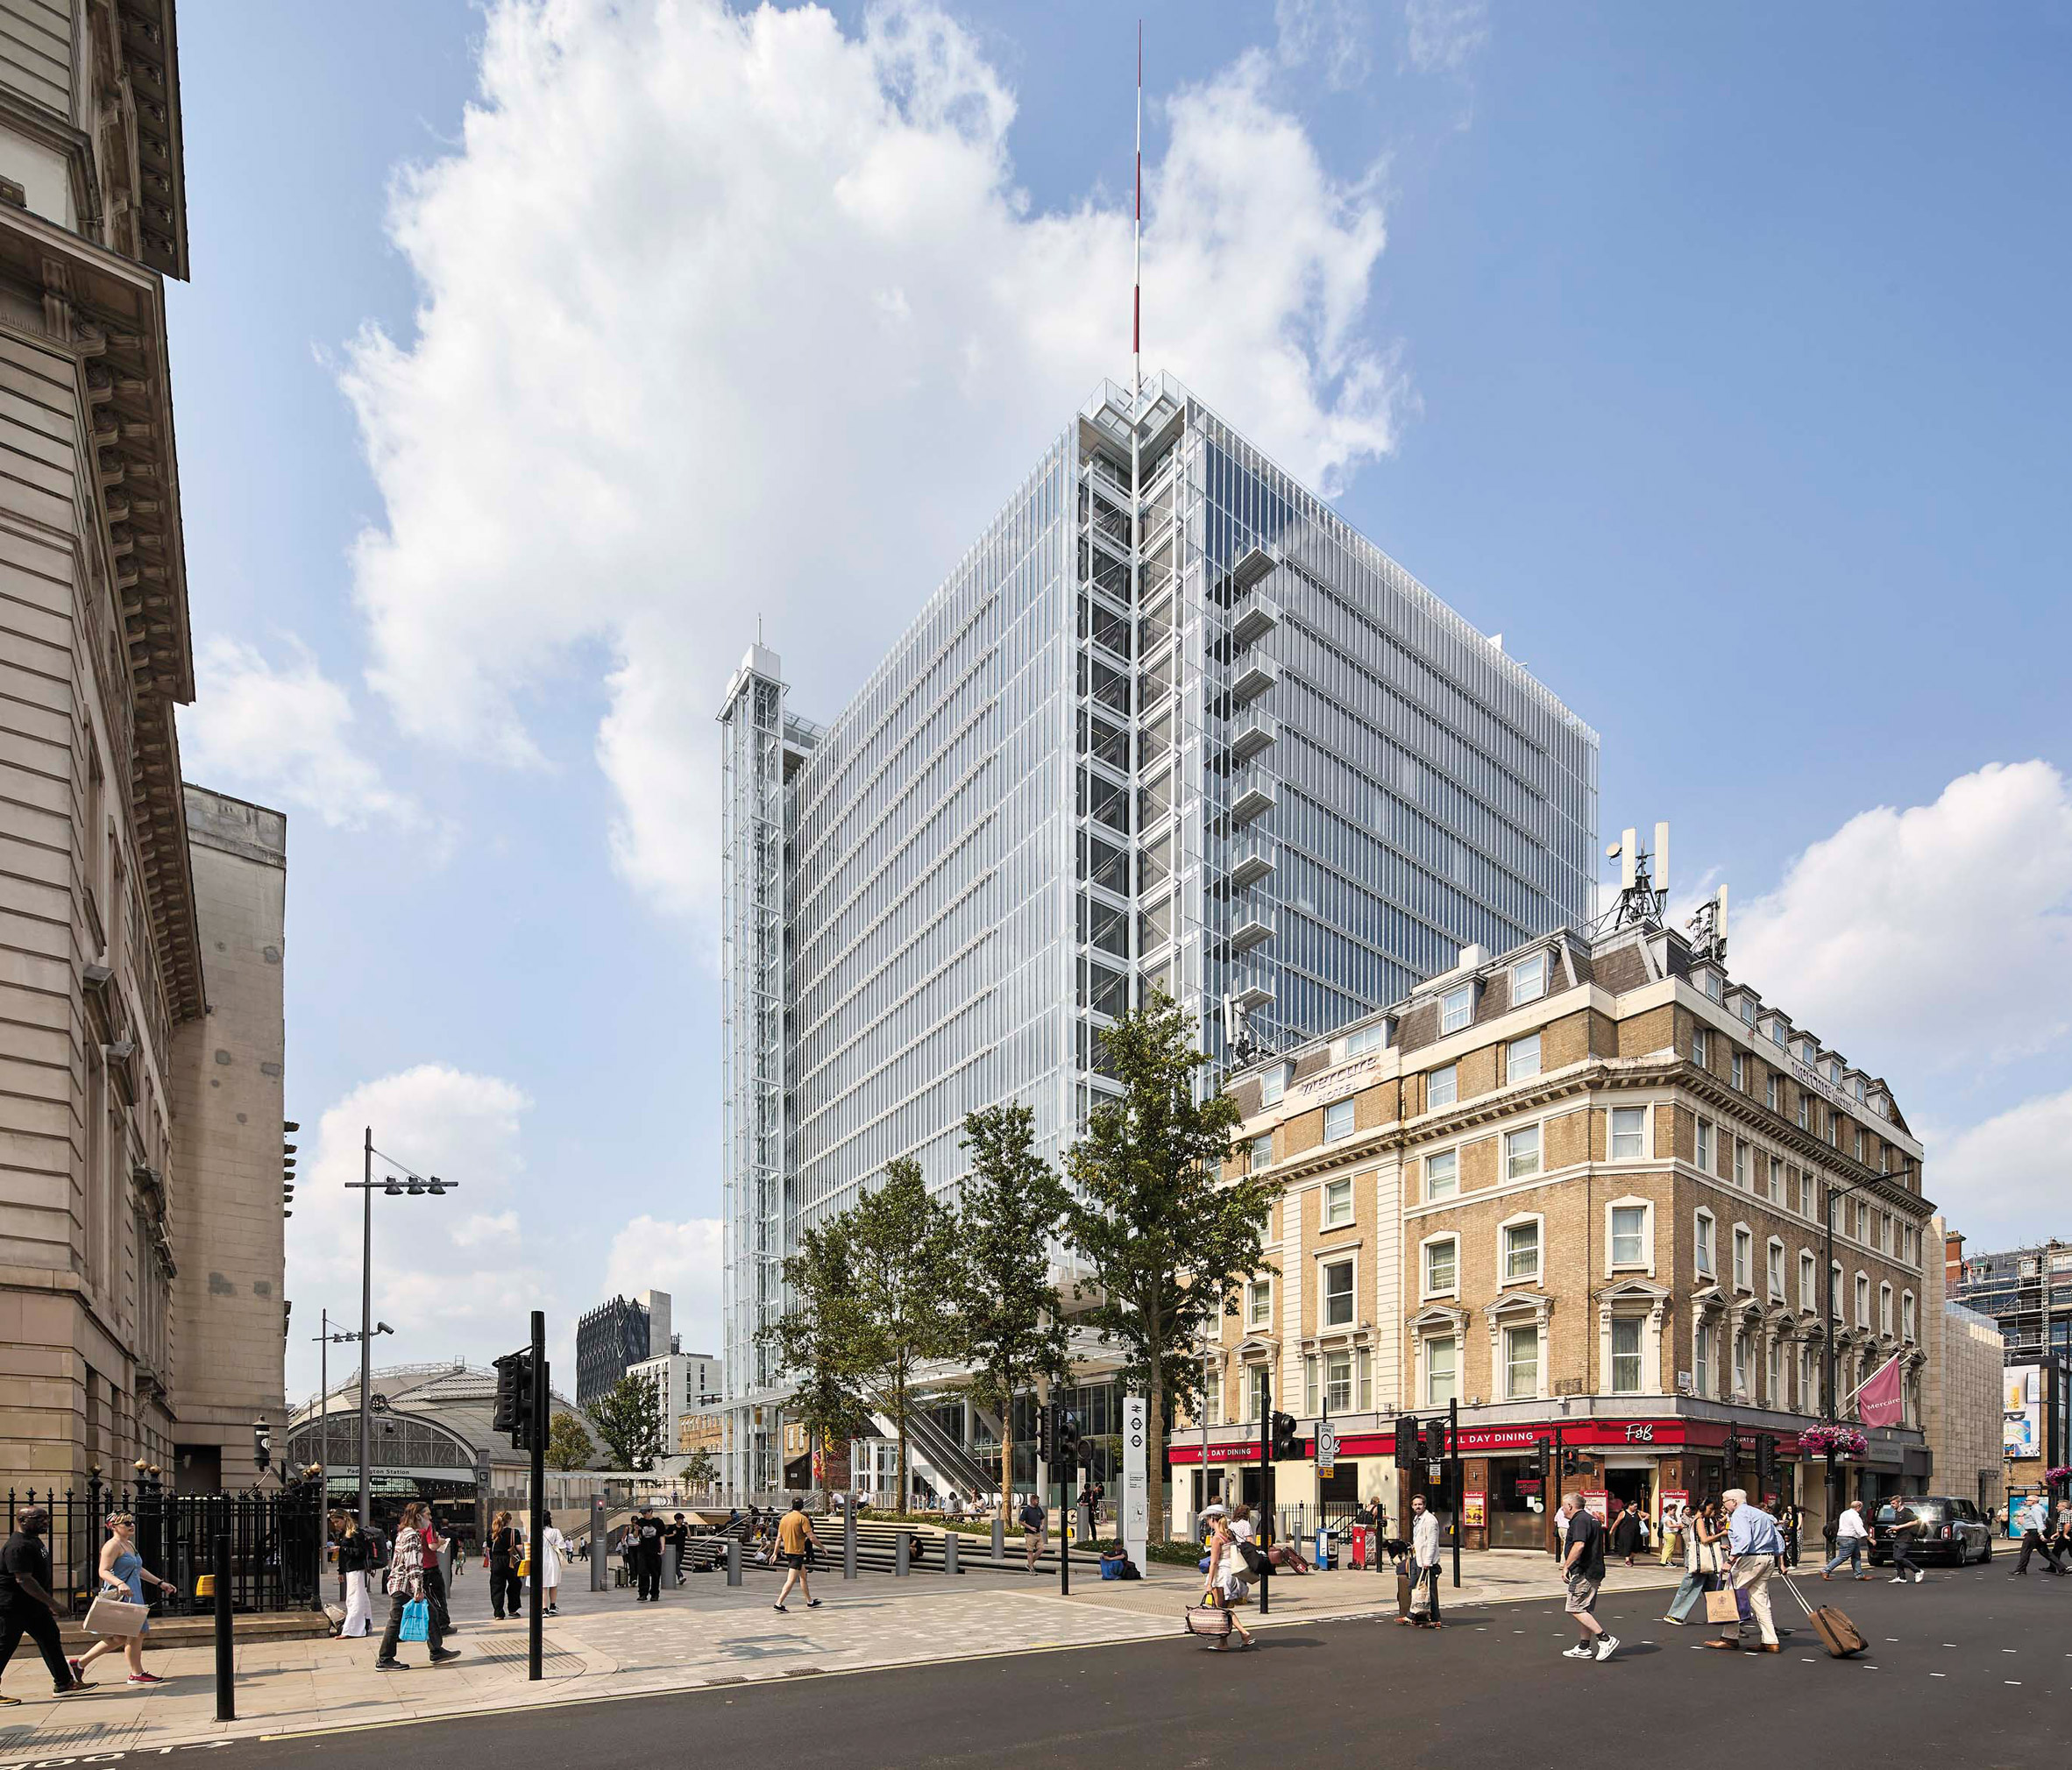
(617, 1335)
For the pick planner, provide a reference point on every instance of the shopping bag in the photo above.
(1721, 1607)
(417, 1622)
(118, 1616)
(1208, 1619)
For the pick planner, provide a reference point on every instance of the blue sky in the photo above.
(1714, 357)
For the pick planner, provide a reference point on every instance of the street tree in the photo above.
(815, 1340)
(1166, 1241)
(628, 1417)
(568, 1445)
(904, 1265)
(701, 1469)
(1012, 1316)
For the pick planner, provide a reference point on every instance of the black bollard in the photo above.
(226, 1699)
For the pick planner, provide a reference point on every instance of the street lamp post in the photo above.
(325, 1341)
(1828, 1370)
(416, 1185)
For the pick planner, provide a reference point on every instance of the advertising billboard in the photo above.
(2021, 1411)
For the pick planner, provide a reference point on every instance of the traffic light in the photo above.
(1766, 1464)
(1066, 1436)
(1543, 1455)
(1406, 1439)
(1285, 1443)
(1733, 1455)
(1570, 1464)
(513, 1399)
(262, 1444)
(1046, 1443)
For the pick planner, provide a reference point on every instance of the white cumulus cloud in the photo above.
(2003, 1182)
(726, 313)
(1929, 940)
(283, 733)
(652, 1254)
(454, 1276)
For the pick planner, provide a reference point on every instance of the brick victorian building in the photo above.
(1578, 1189)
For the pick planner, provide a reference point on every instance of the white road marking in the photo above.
(1939, 1674)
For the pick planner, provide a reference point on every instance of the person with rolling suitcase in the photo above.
(1755, 1546)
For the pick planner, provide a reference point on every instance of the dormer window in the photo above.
(1273, 1084)
(1366, 1041)
(1457, 1008)
(1529, 979)
(1777, 1033)
(1748, 1011)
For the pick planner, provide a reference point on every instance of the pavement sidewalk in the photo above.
(607, 1645)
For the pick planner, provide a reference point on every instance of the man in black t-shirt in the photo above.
(647, 1554)
(1582, 1568)
(26, 1607)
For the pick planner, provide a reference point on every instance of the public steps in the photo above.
(877, 1552)
(199, 1632)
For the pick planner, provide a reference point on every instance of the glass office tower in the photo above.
(1222, 743)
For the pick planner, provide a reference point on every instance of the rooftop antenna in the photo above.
(1708, 928)
(1643, 882)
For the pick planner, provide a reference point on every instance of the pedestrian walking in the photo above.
(435, 1572)
(1035, 1528)
(1702, 1532)
(407, 1585)
(1675, 1522)
(1626, 1533)
(1907, 1527)
(1754, 1545)
(26, 1606)
(644, 1550)
(124, 1576)
(1227, 1576)
(1582, 1571)
(794, 1541)
(356, 1566)
(553, 1550)
(1424, 1564)
(1851, 1539)
(507, 1591)
(676, 1541)
(1790, 1523)
(2038, 1535)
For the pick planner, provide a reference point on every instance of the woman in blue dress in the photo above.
(122, 1574)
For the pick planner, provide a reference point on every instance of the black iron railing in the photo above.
(276, 1543)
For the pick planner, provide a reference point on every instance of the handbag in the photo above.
(417, 1622)
(118, 1616)
(1208, 1619)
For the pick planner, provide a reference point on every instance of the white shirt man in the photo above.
(2034, 1519)
(1850, 1541)
(1424, 1560)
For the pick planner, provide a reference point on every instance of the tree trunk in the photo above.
(1154, 1456)
(1006, 1461)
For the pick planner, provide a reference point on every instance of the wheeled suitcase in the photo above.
(1840, 1635)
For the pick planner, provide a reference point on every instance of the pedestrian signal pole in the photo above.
(1459, 1496)
(1266, 1490)
(537, 1439)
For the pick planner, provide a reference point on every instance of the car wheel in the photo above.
(1988, 1555)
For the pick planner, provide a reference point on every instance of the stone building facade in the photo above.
(229, 1236)
(103, 964)
(1577, 1190)
(1961, 1398)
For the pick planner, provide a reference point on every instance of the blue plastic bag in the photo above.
(417, 1622)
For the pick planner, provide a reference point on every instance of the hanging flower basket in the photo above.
(1843, 1440)
(2059, 1475)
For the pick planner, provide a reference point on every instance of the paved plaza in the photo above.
(605, 1644)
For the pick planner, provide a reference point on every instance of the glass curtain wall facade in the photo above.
(1201, 734)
